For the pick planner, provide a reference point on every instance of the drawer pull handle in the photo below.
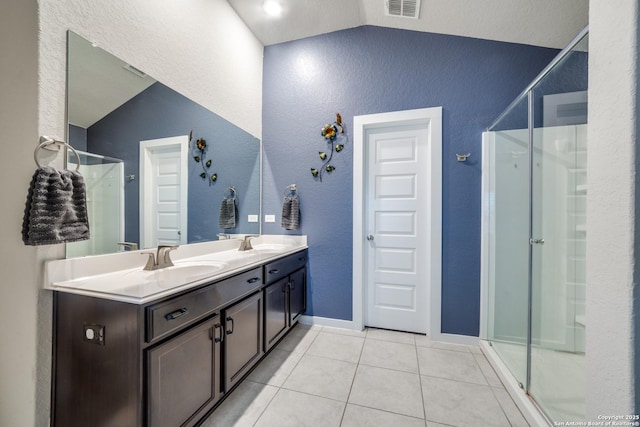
(302, 258)
(176, 314)
(221, 337)
(253, 280)
(230, 319)
(274, 271)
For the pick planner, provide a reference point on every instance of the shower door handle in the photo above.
(536, 241)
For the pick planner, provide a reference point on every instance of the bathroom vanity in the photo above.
(168, 358)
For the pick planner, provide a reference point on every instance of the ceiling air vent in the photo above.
(138, 72)
(404, 8)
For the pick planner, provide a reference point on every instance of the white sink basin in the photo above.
(176, 275)
(270, 247)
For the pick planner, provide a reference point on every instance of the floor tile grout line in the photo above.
(424, 406)
(493, 393)
(455, 380)
(266, 406)
(280, 388)
(353, 380)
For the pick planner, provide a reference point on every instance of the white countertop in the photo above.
(121, 277)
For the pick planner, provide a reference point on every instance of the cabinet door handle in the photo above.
(302, 258)
(176, 314)
(230, 319)
(274, 271)
(218, 326)
(292, 285)
(253, 280)
(285, 286)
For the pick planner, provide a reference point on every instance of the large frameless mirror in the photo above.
(158, 166)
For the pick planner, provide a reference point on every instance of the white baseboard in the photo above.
(326, 321)
(454, 338)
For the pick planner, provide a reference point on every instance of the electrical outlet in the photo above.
(94, 333)
(269, 218)
(252, 218)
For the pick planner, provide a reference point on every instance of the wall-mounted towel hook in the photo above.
(462, 157)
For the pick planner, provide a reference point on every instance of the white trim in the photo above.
(528, 408)
(146, 147)
(432, 117)
(326, 321)
(484, 239)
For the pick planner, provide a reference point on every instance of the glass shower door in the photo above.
(508, 249)
(559, 187)
(104, 182)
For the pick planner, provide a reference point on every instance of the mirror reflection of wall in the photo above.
(112, 107)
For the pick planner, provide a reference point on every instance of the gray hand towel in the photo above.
(228, 213)
(290, 213)
(56, 208)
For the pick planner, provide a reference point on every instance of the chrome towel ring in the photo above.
(46, 141)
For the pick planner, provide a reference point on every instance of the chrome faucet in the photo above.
(161, 259)
(245, 245)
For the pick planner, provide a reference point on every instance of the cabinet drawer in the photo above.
(282, 267)
(169, 316)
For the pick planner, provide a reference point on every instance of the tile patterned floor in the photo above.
(320, 376)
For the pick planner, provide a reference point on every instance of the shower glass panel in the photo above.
(508, 227)
(534, 235)
(104, 180)
(559, 189)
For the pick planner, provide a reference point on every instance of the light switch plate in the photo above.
(269, 218)
(252, 218)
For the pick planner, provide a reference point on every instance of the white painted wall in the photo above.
(198, 47)
(612, 243)
(23, 348)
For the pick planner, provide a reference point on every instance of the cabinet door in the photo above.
(243, 338)
(297, 295)
(275, 311)
(184, 375)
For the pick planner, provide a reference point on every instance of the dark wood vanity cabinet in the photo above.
(170, 362)
(184, 376)
(242, 338)
(185, 373)
(285, 296)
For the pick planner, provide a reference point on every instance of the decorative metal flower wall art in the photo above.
(332, 133)
(199, 150)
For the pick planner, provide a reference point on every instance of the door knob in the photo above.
(370, 237)
(536, 241)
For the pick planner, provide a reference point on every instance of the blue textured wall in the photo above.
(160, 112)
(78, 137)
(369, 70)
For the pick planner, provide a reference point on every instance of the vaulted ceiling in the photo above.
(548, 23)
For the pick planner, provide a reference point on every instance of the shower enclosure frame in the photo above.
(518, 391)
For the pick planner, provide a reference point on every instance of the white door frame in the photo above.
(433, 118)
(146, 147)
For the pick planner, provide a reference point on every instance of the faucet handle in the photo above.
(245, 245)
(163, 258)
(151, 261)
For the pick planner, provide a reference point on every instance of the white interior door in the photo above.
(163, 191)
(397, 191)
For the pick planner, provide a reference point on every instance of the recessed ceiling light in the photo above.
(272, 7)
